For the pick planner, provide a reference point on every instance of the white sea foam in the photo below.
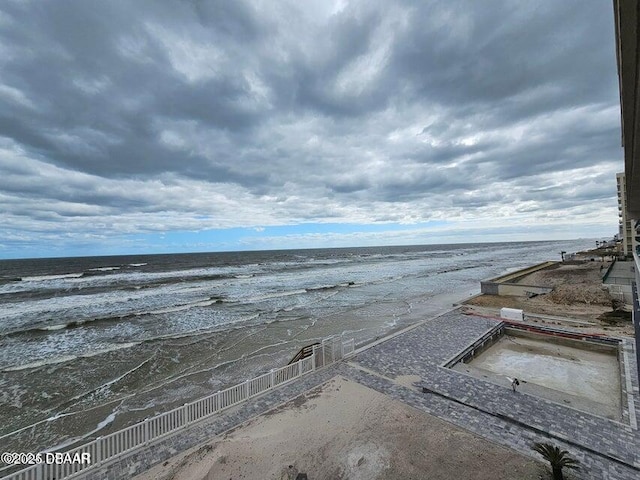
(68, 358)
(50, 419)
(186, 374)
(109, 419)
(103, 269)
(61, 326)
(270, 296)
(176, 291)
(202, 331)
(137, 264)
(94, 306)
(41, 363)
(41, 278)
(179, 308)
(110, 382)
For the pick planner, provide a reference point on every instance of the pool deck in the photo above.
(605, 448)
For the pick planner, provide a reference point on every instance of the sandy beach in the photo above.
(343, 430)
(578, 293)
(158, 331)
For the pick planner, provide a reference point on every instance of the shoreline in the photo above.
(183, 466)
(403, 312)
(223, 452)
(106, 417)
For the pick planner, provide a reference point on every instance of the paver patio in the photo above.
(605, 448)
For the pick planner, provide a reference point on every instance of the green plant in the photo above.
(558, 459)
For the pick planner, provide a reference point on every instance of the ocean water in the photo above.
(89, 345)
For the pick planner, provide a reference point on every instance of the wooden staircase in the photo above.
(304, 352)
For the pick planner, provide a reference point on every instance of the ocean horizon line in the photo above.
(212, 252)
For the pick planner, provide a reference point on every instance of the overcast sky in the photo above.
(146, 126)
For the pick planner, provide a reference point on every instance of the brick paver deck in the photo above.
(605, 448)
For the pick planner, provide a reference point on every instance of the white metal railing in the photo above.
(332, 350)
(348, 347)
(117, 444)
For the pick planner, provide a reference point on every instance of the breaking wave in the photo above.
(67, 358)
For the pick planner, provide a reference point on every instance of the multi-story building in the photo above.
(627, 23)
(626, 224)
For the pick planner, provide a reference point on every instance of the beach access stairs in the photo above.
(304, 352)
(117, 445)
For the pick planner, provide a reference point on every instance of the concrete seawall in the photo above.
(506, 284)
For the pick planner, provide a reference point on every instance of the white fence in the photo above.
(332, 350)
(117, 444)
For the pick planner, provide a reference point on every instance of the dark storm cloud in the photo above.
(251, 113)
(97, 67)
(496, 53)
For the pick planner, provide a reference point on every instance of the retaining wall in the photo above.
(505, 284)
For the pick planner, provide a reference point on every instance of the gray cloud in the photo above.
(162, 114)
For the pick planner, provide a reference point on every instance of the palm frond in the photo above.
(555, 456)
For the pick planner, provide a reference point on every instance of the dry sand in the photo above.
(343, 430)
(577, 293)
